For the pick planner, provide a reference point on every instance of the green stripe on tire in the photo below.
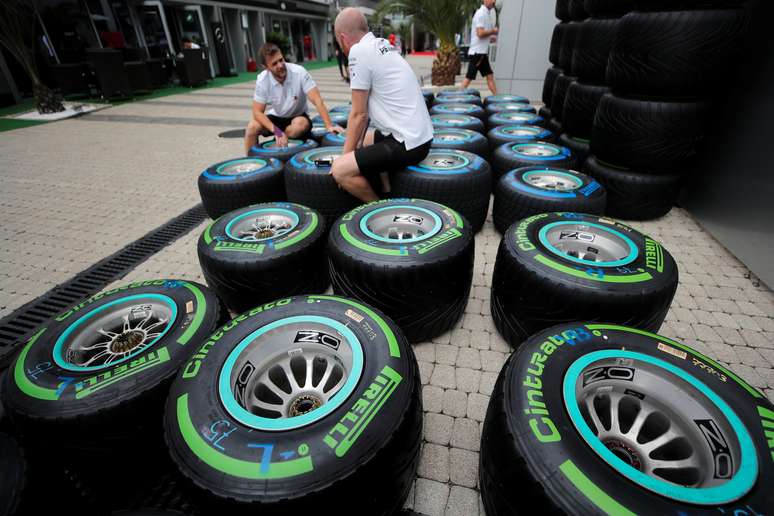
(312, 225)
(23, 382)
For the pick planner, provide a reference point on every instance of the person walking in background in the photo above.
(343, 61)
(482, 33)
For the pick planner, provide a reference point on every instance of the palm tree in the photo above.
(444, 18)
(17, 34)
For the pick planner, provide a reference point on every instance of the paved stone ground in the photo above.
(70, 203)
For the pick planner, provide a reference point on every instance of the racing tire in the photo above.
(592, 48)
(458, 98)
(263, 252)
(337, 118)
(240, 182)
(457, 122)
(563, 83)
(548, 85)
(562, 10)
(511, 156)
(529, 191)
(580, 147)
(580, 107)
(500, 107)
(327, 402)
(608, 7)
(561, 267)
(505, 97)
(333, 140)
(577, 12)
(556, 43)
(503, 134)
(569, 40)
(461, 139)
(453, 108)
(514, 118)
(422, 283)
(269, 149)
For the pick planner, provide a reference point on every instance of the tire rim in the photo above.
(520, 130)
(458, 98)
(451, 119)
(509, 106)
(324, 154)
(537, 150)
(402, 224)
(516, 116)
(242, 166)
(291, 373)
(262, 224)
(660, 427)
(439, 160)
(507, 98)
(553, 180)
(273, 144)
(451, 135)
(588, 244)
(456, 108)
(114, 332)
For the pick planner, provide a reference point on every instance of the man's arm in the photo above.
(317, 101)
(481, 32)
(358, 121)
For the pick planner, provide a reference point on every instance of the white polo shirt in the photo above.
(395, 102)
(485, 19)
(288, 99)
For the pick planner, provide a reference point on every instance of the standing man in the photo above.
(283, 88)
(384, 89)
(483, 31)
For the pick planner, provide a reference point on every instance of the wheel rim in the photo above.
(588, 244)
(115, 332)
(660, 427)
(516, 117)
(323, 154)
(291, 373)
(509, 106)
(402, 224)
(537, 150)
(242, 166)
(273, 144)
(262, 224)
(460, 97)
(554, 180)
(456, 108)
(436, 160)
(521, 130)
(451, 119)
(451, 135)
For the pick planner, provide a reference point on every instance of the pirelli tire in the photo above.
(337, 118)
(454, 178)
(458, 98)
(563, 10)
(561, 87)
(312, 185)
(457, 122)
(270, 149)
(663, 5)
(461, 139)
(505, 97)
(458, 92)
(577, 12)
(333, 140)
(548, 85)
(633, 195)
(568, 46)
(649, 136)
(511, 156)
(503, 134)
(235, 183)
(459, 108)
(13, 472)
(580, 147)
(429, 97)
(545, 113)
(514, 118)
(554, 125)
(499, 107)
(556, 43)
(97, 376)
(628, 422)
(421, 282)
(675, 54)
(263, 252)
(580, 107)
(529, 191)
(560, 267)
(608, 7)
(592, 48)
(294, 407)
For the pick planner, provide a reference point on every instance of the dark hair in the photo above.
(186, 40)
(266, 51)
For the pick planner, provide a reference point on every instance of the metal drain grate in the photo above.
(19, 326)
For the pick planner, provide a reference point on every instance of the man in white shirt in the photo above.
(483, 30)
(384, 89)
(283, 88)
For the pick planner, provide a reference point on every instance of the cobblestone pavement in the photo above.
(67, 204)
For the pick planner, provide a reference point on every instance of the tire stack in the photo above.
(647, 134)
(588, 63)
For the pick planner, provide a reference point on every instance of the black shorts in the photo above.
(480, 63)
(387, 155)
(283, 123)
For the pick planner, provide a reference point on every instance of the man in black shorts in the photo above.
(483, 31)
(280, 98)
(384, 89)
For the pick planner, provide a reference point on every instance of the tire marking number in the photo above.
(608, 373)
(724, 464)
(411, 219)
(577, 235)
(243, 378)
(219, 431)
(317, 337)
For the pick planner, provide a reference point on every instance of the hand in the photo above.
(281, 140)
(496, 30)
(335, 129)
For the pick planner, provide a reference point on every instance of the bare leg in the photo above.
(490, 80)
(465, 83)
(251, 135)
(298, 127)
(347, 174)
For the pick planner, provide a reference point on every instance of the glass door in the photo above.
(192, 27)
(155, 28)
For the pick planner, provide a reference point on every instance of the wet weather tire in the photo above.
(333, 140)
(563, 83)
(296, 406)
(263, 252)
(517, 155)
(504, 97)
(461, 139)
(548, 85)
(240, 182)
(580, 107)
(580, 147)
(457, 179)
(608, 7)
(313, 186)
(500, 107)
(529, 191)
(556, 43)
(540, 420)
(561, 267)
(518, 134)
(447, 121)
(422, 282)
(454, 108)
(457, 98)
(592, 48)
(633, 195)
(514, 118)
(269, 149)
